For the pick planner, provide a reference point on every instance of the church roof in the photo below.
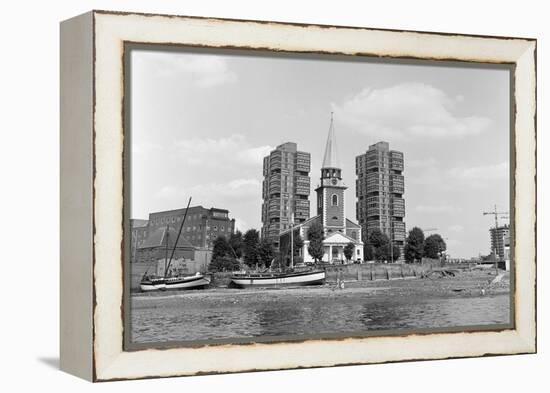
(351, 224)
(306, 223)
(331, 152)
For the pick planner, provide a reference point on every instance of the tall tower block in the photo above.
(380, 186)
(285, 190)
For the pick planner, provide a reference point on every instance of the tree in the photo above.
(221, 248)
(377, 239)
(236, 244)
(316, 237)
(223, 258)
(251, 242)
(379, 243)
(348, 250)
(434, 246)
(383, 253)
(266, 252)
(368, 251)
(223, 264)
(298, 242)
(396, 253)
(414, 247)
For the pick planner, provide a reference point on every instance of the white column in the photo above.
(330, 254)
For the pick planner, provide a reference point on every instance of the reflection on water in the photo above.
(160, 320)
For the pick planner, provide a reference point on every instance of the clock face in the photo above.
(334, 181)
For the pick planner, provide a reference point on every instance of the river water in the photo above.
(162, 320)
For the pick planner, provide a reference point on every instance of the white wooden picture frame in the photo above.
(92, 190)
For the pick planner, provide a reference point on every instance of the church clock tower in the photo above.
(330, 193)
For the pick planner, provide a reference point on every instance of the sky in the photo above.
(201, 123)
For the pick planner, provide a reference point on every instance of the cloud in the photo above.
(145, 148)
(232, 150)
(436, 209)
(421, 163)
(241, 225)
(456, 228)
(169, 192)
(253, 155)
(240, 196)
(481, 173)
(452, 243)
(430, 175)
(470, 177)
(204, 71)
(233, 189)
(238, 188)
(407, 110)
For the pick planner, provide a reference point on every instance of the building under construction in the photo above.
(500, 241)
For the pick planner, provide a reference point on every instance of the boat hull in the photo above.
(170, 283)
(291, 279)
(155, 285)
(193, 282)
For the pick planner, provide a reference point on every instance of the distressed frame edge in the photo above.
(76, 196)
(304, 24)
(527, 338)
(525, 181)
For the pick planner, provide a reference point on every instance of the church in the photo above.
(331, 212)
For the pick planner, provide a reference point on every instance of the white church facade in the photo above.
(338, 230)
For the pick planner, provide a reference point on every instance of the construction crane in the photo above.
(496, 213)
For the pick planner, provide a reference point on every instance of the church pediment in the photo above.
(339, 238)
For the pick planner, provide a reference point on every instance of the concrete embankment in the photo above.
(374, 271)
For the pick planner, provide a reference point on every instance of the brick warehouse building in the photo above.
(139, 234)
(379, 189)
(285, 189)
(331, 212)
(202, 226)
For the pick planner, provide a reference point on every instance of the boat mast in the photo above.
(177, 238)
(292, 240)
(166, 248)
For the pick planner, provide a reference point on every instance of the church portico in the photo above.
(333, 253)
(334, 249)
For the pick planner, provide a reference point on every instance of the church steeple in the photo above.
(330, 193)
(331, 164)
(331, 152)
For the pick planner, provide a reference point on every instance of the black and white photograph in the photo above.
(284, 196)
